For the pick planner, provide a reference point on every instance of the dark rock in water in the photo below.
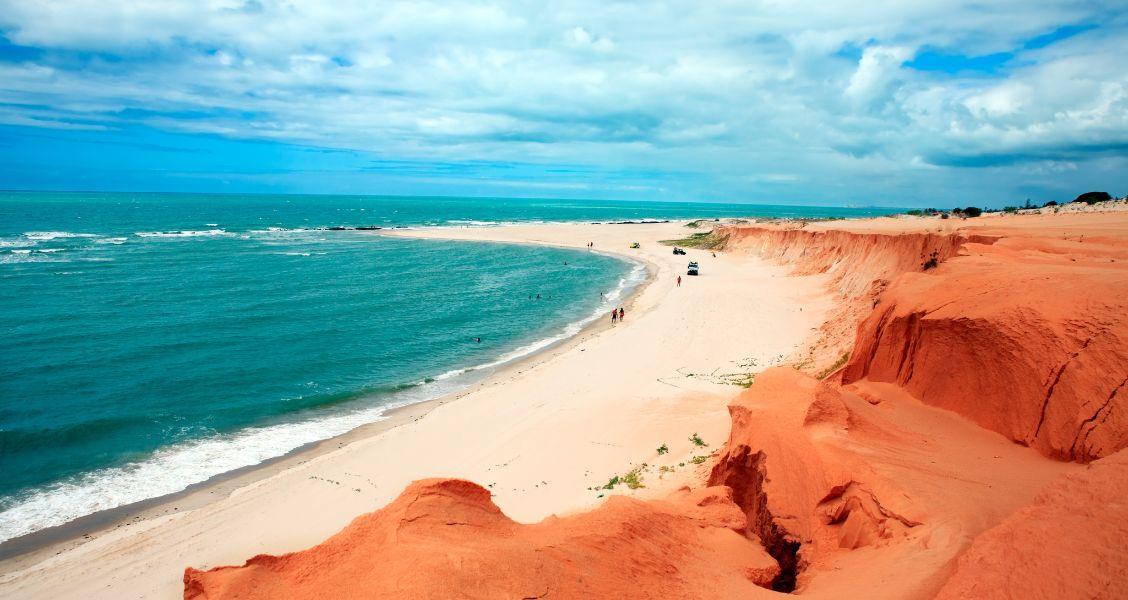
(338, 228)
(1093, 197)
(367, 228)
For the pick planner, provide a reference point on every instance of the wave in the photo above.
(112, 240)
(179, 234)
(472, 223)
(16, 242)
(27, 255)
(51, 235)
(174, 468)
(452, 223)
(626, 283)
(280, 230)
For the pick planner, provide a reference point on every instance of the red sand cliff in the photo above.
(896, 478)
(861, 266)
(1025, 335)
(1026, 338)
(445, 538)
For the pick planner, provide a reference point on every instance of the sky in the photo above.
(879, 103)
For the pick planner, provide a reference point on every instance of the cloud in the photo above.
(726, 95)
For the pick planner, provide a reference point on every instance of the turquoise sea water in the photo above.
(151, 341)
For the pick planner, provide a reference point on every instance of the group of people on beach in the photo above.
(617, 314)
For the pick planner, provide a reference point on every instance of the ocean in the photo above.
(152, 341)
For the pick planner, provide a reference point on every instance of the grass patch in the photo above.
(744, 380)
(706, 240)
(699, 459)
(832, 368)
(633, 479)
(663, 449)
(697, 441)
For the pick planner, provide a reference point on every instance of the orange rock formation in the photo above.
(445, 538)
(896, 477)
(1028, 338)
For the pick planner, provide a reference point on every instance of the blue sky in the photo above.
(896, 104)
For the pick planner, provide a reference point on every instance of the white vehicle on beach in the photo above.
(692, 269)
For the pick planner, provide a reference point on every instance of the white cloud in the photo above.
(877, 71)
(733, 92)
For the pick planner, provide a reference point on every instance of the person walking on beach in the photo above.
(614, 316)
(621, 314)
(679, 280)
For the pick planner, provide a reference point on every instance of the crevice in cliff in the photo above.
(744, 472)
(1053, 386)
(1090, 421)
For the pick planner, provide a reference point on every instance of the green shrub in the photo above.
(1093, 197)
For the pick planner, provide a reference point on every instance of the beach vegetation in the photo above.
(744, 380)
(663, 449)
(832, 368)
(697, 441)
(700, 459)
(611, 483)
(633, 478)
(932, 262)
(706, 240)
(1093, 197)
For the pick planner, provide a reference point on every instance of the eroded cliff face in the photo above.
(1023, 339)
(804, 498)
(1024, 335)
(445, 538)
(860, 267)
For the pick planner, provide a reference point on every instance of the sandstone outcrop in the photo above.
(1024, 338)
(445, 538)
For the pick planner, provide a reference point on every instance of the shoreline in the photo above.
(27, 550)
(541, 434)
